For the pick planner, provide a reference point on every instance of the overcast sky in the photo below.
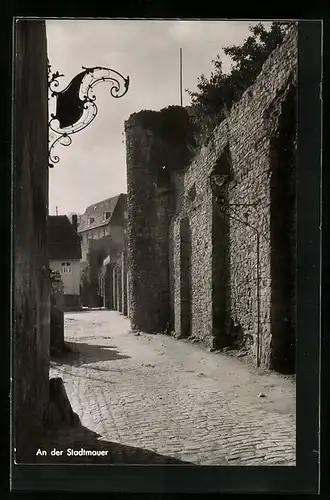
(94, 166)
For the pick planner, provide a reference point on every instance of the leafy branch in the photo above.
(215, 95)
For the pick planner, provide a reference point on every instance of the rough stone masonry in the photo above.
(218, 265)
(31, 316)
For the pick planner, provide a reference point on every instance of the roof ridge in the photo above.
(102, 201)
(100, 213)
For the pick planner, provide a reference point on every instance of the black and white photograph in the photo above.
(155, 242)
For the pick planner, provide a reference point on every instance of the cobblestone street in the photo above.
(172, 397)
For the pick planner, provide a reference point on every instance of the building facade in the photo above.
(64, 252)
(104, 221)
(211, 238)
(30, 280)
(102, 229)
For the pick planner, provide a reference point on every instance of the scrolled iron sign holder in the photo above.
(217, 183)
(75, 105)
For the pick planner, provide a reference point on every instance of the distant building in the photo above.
(102, 229)
(64, 253)
(104, 222)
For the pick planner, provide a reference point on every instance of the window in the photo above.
(106, 215)
(125, 214)
(66, 267)
(220, 174)
(164, 178)
(192, 193)
(91, 220)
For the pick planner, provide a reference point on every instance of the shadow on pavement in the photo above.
(82, 438)
(86, 310)
(78, 353)
(77, 311)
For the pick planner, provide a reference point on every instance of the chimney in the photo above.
(74, 222)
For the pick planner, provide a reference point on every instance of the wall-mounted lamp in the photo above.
(218, 183)
(75, 106)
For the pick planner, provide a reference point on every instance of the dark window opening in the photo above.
(185, 277)
(220, 174)
(164, 178)
(283, 238)
(192, 193)
(223, 164)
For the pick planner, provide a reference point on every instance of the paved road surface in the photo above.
(173, 398)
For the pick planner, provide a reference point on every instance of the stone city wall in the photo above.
(205, 265)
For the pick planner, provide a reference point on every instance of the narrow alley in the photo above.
(171, 397)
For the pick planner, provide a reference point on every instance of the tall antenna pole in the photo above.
(180, 77)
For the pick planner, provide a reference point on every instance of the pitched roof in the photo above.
(63, 241)
(97, 211)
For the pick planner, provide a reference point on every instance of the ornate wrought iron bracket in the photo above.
(75, 106)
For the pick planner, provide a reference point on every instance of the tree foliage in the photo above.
(54, 276)
(215, 95)
(56, 285)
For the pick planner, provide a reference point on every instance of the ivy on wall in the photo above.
(174, 133)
